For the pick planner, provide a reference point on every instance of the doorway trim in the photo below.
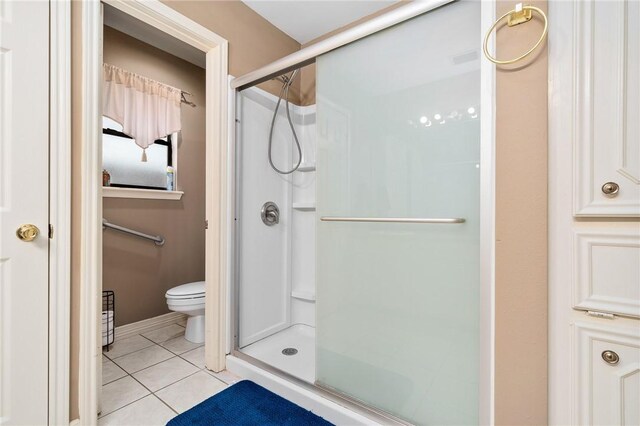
(59, 209)
(166, 19)
(487, 220)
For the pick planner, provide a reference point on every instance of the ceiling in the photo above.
(305, 20)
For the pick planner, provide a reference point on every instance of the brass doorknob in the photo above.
(27, 232)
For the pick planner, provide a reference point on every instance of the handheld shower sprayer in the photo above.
(284, 92)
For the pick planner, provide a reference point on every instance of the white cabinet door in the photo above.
(606, 64)
(608, 374)
(606, 264)
(24, 174)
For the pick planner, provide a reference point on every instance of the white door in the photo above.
(24, 174)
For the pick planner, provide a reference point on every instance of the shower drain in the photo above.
(289, 351)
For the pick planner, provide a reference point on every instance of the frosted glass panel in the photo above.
(399, 137)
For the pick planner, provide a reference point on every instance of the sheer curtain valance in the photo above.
(147, 109)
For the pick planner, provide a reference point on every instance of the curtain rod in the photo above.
(309, 54)
(183, 99)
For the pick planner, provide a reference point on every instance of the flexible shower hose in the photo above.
(285, 92)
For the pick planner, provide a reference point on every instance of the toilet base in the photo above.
(195, 329)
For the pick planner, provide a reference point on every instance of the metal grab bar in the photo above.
(394, 219)
(155, 238)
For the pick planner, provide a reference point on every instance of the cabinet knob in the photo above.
(610, 357)
(611, 189)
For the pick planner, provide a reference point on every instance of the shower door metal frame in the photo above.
(307, 56)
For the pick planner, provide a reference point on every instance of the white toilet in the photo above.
(189, 299)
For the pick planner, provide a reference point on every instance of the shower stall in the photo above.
(363, 226)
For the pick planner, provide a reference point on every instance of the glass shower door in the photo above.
(398, 284)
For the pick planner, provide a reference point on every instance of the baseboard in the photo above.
(150, 324)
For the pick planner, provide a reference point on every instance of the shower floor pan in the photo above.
(298, 337)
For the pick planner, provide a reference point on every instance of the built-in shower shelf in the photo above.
(304, 295)
(307, 167)
(304, 206)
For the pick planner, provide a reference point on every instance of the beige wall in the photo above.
(137, 270)
(521, 228)
(253, 42)
(76, 206)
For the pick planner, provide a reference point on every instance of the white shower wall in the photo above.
(276, 265)
(303, 223)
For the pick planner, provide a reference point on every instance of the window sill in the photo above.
(145, 194)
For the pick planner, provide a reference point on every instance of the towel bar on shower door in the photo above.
(444, 220)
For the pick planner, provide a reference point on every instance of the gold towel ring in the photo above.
(516, 16)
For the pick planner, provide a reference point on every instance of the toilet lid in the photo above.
(195, 289)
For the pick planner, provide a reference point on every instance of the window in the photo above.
(121, 157)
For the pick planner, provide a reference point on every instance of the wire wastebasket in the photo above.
(108, 318)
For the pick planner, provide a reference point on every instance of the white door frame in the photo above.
(59, 209)
(561, 357)
(487, 219)
(166, 19)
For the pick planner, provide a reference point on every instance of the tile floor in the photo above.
(149, 378)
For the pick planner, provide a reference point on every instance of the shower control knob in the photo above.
(610, 189)
(270, 213)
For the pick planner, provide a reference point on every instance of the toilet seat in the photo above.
(195, 296)
(195, 302)
(188, 291)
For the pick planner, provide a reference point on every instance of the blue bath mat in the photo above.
(246, 403)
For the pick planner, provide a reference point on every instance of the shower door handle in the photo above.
(443, 220)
